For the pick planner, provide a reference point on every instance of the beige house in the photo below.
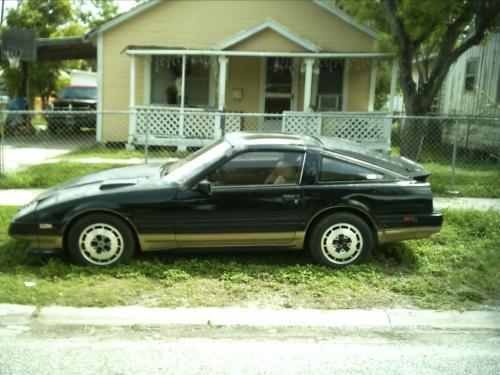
(245, 56)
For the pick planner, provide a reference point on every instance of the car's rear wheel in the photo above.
(100, 240)
(341, 239)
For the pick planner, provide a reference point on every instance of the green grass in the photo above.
(50, 174)
(119, 152)
(457, 269)
(480, 179)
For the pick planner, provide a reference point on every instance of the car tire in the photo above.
(341, 239)
(100, 240)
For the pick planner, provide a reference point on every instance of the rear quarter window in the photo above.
(332, 169)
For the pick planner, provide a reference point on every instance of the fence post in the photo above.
(453, 191)
(132, 129)
(146, 141)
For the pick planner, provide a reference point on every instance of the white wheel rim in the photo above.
(342, 243)
(101, 244)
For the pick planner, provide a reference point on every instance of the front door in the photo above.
(256, 200)
(279, 92)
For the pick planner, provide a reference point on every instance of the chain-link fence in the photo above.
(463, 153)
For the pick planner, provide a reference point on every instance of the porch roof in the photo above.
(169, 51)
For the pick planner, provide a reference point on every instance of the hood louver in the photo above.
(115, 184)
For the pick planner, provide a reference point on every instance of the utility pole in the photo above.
(1, 16)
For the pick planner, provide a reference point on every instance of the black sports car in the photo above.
(288, 191)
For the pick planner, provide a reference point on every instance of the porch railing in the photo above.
(171, 126)
(373, 129)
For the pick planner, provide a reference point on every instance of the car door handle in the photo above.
(291, 198)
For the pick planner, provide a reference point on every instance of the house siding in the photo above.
(203, 24)
(244, 73)
(358, 86)
(455, 99)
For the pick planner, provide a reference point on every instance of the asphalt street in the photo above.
(138, 349)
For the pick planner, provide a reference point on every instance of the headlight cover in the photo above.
(30, 207)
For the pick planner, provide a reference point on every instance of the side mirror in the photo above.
(204, 186)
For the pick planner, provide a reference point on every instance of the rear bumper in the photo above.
(427, 226)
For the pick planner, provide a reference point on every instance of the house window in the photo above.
(197, 83)
(330, 83)
(279, 76)
(471, 75)
(166, 81)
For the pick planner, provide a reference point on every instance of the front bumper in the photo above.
(426, 225)
(38, 242)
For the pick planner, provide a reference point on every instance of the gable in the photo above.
(272, 35)
(205, 24)
(267, 40)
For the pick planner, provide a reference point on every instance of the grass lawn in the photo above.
(49, 174)
(470, 181)
(456, 269)
(480, 179)
(119, 152)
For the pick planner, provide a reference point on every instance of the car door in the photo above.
(255, 199)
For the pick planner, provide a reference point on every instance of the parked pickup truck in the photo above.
(70, 110)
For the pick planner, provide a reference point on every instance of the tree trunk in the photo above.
(414, 132)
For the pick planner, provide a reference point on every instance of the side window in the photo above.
(259, 168)
(338, 170)
(471, 74)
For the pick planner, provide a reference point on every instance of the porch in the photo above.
(191, 97)
(157, 126)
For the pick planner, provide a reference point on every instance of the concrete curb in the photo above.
(20, 315)
(480, 204)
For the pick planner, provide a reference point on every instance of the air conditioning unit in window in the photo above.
(329, 102)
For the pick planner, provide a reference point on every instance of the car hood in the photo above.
(109, 180)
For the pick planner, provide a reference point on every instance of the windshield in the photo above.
(183, 169)
(84, 93)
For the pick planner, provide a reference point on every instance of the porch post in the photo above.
(373, 84)
(132, 109)
(183, 81)
(183, 92)
(345, 84)
(221, 100)
(394, 76)
(223, 60)
(147, 81)
(308, 84)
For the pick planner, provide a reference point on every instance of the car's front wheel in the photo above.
(341, 239)
(100, 240)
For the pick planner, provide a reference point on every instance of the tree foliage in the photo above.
(53, 18)
(45, 17)
(103, 10)
(427, 34)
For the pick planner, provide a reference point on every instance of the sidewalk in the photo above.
(250, 317)
(20, 197)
